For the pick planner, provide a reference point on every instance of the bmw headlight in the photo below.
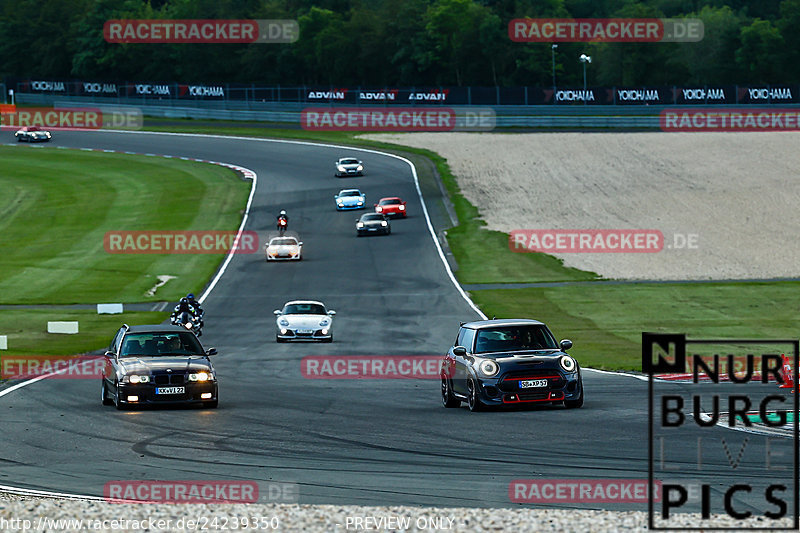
(378, 209)
(135, 378)
(567, 363)
(384, 223)
(200, 376)
(488, 368)
(283, 322)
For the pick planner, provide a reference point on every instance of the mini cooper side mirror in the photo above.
(566, 344)
(211, 351)
(276, 313)
(459, 350)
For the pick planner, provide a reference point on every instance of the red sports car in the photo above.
(391, 206)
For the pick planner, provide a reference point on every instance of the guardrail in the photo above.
(544, 117)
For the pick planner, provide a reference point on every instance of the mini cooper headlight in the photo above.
(200, 376)
(283, 322)
(567, 363)
(488, 368)
(135, 378)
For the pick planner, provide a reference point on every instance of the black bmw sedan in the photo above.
(507, 362)
(153, 365)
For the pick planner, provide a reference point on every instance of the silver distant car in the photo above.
(283, 249)
(304, 320)
(349, 166)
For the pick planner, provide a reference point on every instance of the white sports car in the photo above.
(349, 166)
(283, 249)
(304, 320)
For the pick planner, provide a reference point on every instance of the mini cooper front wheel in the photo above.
(448, 399)
(573, 404)
(474, 401)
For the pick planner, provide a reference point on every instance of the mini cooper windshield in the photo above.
(304, 309)
(157, 344)
(514, 338)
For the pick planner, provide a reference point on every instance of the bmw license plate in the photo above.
(531, 383)
(170, 390)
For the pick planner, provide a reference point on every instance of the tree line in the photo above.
(382, 43)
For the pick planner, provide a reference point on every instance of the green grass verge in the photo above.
(59, 204)
(27, 330)
(606, 321)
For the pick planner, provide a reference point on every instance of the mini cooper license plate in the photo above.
(531, 383)
(170, 390)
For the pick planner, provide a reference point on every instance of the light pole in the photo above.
(553, 53)
(585, 59)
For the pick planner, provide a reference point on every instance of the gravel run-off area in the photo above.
(739, 193)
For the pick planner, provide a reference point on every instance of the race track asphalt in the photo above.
(368, 442)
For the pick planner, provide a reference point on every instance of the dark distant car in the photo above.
(391, 206)
(509, 362)
(372, 223)
(154, 365)
(349, 166)
(32, 134)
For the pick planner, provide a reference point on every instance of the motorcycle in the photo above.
(282, 225)
(188, 321)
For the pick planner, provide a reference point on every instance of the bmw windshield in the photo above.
(160, 344)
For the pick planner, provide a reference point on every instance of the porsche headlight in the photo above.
(200, 376)
(135, 378)
(361, 202)
(360, 225)
(567, 363)
(324, 323)
(283, 322)
(488, 368)
(360, 168)
(378, 209)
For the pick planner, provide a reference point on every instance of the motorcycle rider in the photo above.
(196, 305)
(183, 307)
(285, 218)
